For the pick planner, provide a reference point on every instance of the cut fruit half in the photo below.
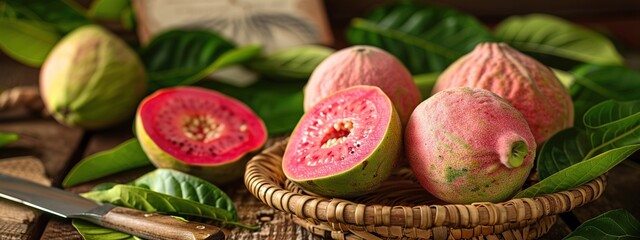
(199, 131)
(346, 145)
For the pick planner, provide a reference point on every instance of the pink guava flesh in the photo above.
(199, 126)
(338, 133)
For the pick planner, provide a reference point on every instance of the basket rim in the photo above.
(333, 210)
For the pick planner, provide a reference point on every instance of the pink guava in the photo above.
(469, 145)
(528, 85)
(364, 65)
(199, 131)
(346, 145)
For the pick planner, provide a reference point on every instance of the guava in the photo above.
(364, 65)
(469, 145)
(92, 79)
(346, 145)
(199, 131)
(527, 84)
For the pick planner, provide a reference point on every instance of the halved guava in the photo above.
(199, 131)
(345, 145)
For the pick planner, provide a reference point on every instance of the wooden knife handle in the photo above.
(157, 226)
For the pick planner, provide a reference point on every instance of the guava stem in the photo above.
(513, 149)
(362, 50)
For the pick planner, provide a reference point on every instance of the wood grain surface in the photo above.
(52, 146)
(17, 220)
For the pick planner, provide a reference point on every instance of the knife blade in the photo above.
(135, 222)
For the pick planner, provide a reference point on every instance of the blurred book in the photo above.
(275, 24)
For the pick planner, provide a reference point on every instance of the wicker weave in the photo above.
(530, 229)
(401, 208)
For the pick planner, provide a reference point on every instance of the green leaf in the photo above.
(128, 155)
(7, 11)
(296, 63)
(7, 138)
(183, 57)
(597, 83)
(26, 41)
(614, 224)
(426, 82)
(565, 148)
(280, 110)
(151, 201)
(278, 104)
(128, 18)
(103, 186)
(165, 191)
(90, 231)
(584, 99)
(612, 82)
(235, 56)
(579, 173)
(609, 125)
(111, 10)
(557, 42)
(566, 78)
(613, 124)
(425, 38)
(64, 15)
(178, 184)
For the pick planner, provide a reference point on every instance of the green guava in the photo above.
(92, 79)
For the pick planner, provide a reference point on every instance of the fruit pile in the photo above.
(93, 80)
(474, 140)
(403, 95)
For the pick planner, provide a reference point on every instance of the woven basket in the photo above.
(401, 208)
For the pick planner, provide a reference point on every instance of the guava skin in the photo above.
(369, 170)
(364, 65)
(528, 85)
(469, 145)
(92, 79)
(223, 171)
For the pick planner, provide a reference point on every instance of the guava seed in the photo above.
(337, 134)
(202, 128)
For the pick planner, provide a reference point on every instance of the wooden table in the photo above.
(56, 148)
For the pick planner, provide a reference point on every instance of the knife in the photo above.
(135, 222)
